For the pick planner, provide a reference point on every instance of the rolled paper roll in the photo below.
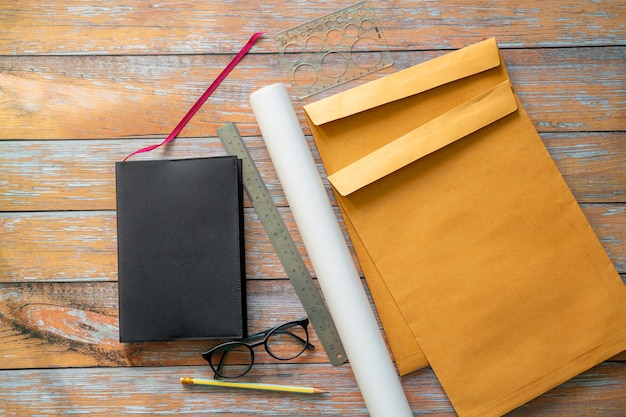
(326, 246)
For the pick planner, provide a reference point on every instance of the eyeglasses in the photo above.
(284, 342)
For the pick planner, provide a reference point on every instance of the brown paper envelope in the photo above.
(472, 244)
(347, 139)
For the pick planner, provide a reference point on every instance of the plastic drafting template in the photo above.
(333, 49)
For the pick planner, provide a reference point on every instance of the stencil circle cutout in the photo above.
(366, 25)
(334, 64)
(304, 75)
(292, 52)
(364, 53)
(351, 30)
(334, 37)
(313, 44)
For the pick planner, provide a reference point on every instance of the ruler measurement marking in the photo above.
(285, 247)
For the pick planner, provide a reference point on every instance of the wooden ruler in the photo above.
(285, 247)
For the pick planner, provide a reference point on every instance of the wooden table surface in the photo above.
(84, 83)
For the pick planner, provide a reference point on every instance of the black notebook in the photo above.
(181, 249)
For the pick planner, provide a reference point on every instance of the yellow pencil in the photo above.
(252, 385)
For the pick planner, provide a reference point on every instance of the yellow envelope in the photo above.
(478, 257)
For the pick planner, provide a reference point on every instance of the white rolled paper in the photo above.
(331, 259)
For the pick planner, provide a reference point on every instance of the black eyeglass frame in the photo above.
(266, 335)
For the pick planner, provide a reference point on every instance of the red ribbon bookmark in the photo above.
(204, 96)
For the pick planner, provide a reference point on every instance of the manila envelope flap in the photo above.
(477, 255)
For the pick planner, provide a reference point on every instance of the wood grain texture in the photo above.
(67, 325)
(50, 325)
(33, 251)
(83, 84)
(147, 27)
(157, 391)
(85, 97)
(80, 175)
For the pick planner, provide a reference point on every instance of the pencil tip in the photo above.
(184, 380)
(318, 391)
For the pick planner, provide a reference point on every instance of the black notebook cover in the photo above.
(181, 249)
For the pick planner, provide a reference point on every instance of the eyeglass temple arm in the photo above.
(220, 366)
(261, 334)
(266, 332)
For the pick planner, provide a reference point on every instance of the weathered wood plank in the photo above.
(52, 325)
(167, 27)
(589, 162)
(77, 175)
(609, 224)
(45, 325)
(157, 391)
(575, 89)
(80, 246)
(80, 175)
(548, 85)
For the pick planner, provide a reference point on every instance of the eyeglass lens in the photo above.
(287, 342)
(232, 360)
